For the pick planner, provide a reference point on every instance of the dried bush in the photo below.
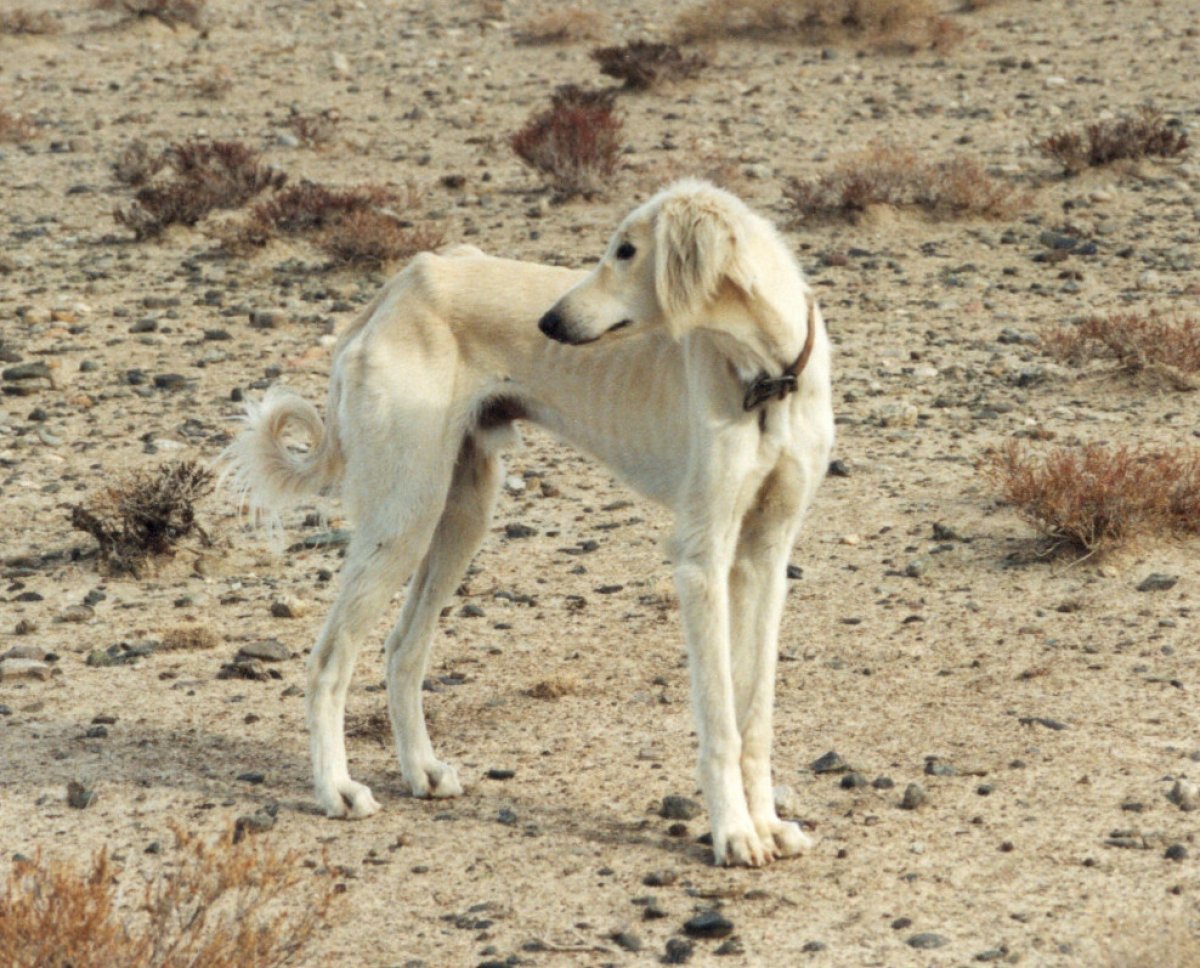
(221, 905)
(1095, 497)
(1127, 138)
(207, 175)
(138, 163)
(192, 13)
(25, 22)
(886, 174)
(574, 143)
(904, 24)
(145, 515)
(1140, 343)
(642, 64)
(561, 26)
(376, 238)
(315, 130)
(14, 127)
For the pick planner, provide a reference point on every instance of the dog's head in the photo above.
(668, 263)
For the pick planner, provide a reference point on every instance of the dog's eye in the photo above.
(626, 250)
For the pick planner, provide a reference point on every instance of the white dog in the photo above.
(707, 389)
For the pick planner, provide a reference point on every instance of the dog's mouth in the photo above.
(554, 326)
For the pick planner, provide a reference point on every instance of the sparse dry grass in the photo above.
(1161, 943)
(14, 128)
(29, 22)
(1138, 342)
(207, 175)
(563, 25)
(189, 638)
(554, 688)
(1094, 498)
(882, 24)
(315, 130)
(574, 144)
(146, 515)
(1144, 134)
(173, 13)
(218, 905)
(642, 64)
(886, 174)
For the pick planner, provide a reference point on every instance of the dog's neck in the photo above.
(756, 336)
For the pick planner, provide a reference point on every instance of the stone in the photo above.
(1176, 852)
(926, 940)
(1185, 795)
(289, 606)
(1157, 582)
(914, 797)
(831, 762)
(679, 808)
(267, 650)
(679, 952)
(26, 669)
(79, 796)
(708, 924)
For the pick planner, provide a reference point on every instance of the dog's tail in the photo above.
(264, 473)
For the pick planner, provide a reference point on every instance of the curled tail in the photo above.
(264, 473)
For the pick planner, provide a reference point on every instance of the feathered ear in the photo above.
(695, 247)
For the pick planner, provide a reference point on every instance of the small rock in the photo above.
(936, 766)
(79, 796)
(246, 669)
(340, 63)
(1157, 582)
(914, 796)
(918, 567)
(852, 781)
(1185, 795)
(514, 484)
(289, 606)
(1148, 280)
(507, 816)
(883, 783)
(266, 650)
(679, 952)
(992, 954)
(926, 940)
(679, 808)
(627, 940)
(831, 762)
(786, 804)
(734, 946)
(795, 572)
(708, 924)
(471, 610)
(897, 415)
(516, 529)
(838, 468)
(500, 774)
(26, 669)
(252, 776)
(661, 878)
(1176, 852)
(250, 824)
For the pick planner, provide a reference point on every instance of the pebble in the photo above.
(1149, 279)
(831, 762)
(926, 940)
(79, 796)
(266, 650)
(936, 766)
(27, 669)
(516, 529)
(250, 824)
(627, 940)
(852, 781)
(897, 415)
(252, 776)
(918, 567)
(514, 484)
(1185, 795)
(838, 468)
(914, 796)
(1176, 852)
(1157, 582)
(289, 606)
(679, 952)
(786, 804)
(679, 808)
(661, 878)
(708, 924)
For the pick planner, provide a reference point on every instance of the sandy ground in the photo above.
(899, 644)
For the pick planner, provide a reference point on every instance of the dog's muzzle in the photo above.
(552, 325)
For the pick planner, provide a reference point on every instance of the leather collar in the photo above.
(765, 387)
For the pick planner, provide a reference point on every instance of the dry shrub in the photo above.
(898, 24)
(886, 174)
(214, 85)
(25, 22)
(1140, 343)
(207, 175)
(375, 238)
(642, 64)
(170, 12)
(14, 127)
(145, 515)
(220, 906)
(556, 688)
(562, 25)
(138, 163)
(374, 726)
(1092, 498)
(189, 638)
(315, 130)
(1130, 137)
(574, 143)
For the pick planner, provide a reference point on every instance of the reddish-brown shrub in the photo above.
(170, 12)
(221, 905)
(372, 237)
(315, 130)
(575, 143)
(14, 127)
(897, 24)
(1131, 137)
(208, 175)
(1139, 342)
(1092, 498)
(642, 64)
(886, 174)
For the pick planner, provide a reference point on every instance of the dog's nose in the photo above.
(552, 325)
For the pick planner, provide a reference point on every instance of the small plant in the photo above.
(191, 13)
(575, 143)
(208, 175)
(222, 905)
(885, 174)
(146, 515)
(1131, 137)
(315, 130)
(137, 164)
(375, 238)
(25, 22)
(1140, 343)
(1093, 498)
(14, 127)
(214, 85)
(900, 24)
(642, 64)
(561, 25)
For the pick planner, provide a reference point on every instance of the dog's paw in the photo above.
(742, 848)
(434, 781)
(347, 800)
(786, 837)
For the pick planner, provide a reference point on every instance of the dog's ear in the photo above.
(696, 249)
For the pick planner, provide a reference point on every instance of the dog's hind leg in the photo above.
(757, 589)
(460, 530)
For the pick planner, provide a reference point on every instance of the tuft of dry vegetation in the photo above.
(315, 130)
(885, 174)
(1144, 134)
(14, 127)
(1139, 342)
(887, 24)
(1093, 498)
(192, 13)
(214, 85)
(188, 638)
(28, 22)
(146, 515)
(222, 905)
(642, 64)
(555, 688)
(137, 164)
(562, 25)
(574, 144)
(207, 175)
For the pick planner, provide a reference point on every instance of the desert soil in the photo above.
(1056, 698)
